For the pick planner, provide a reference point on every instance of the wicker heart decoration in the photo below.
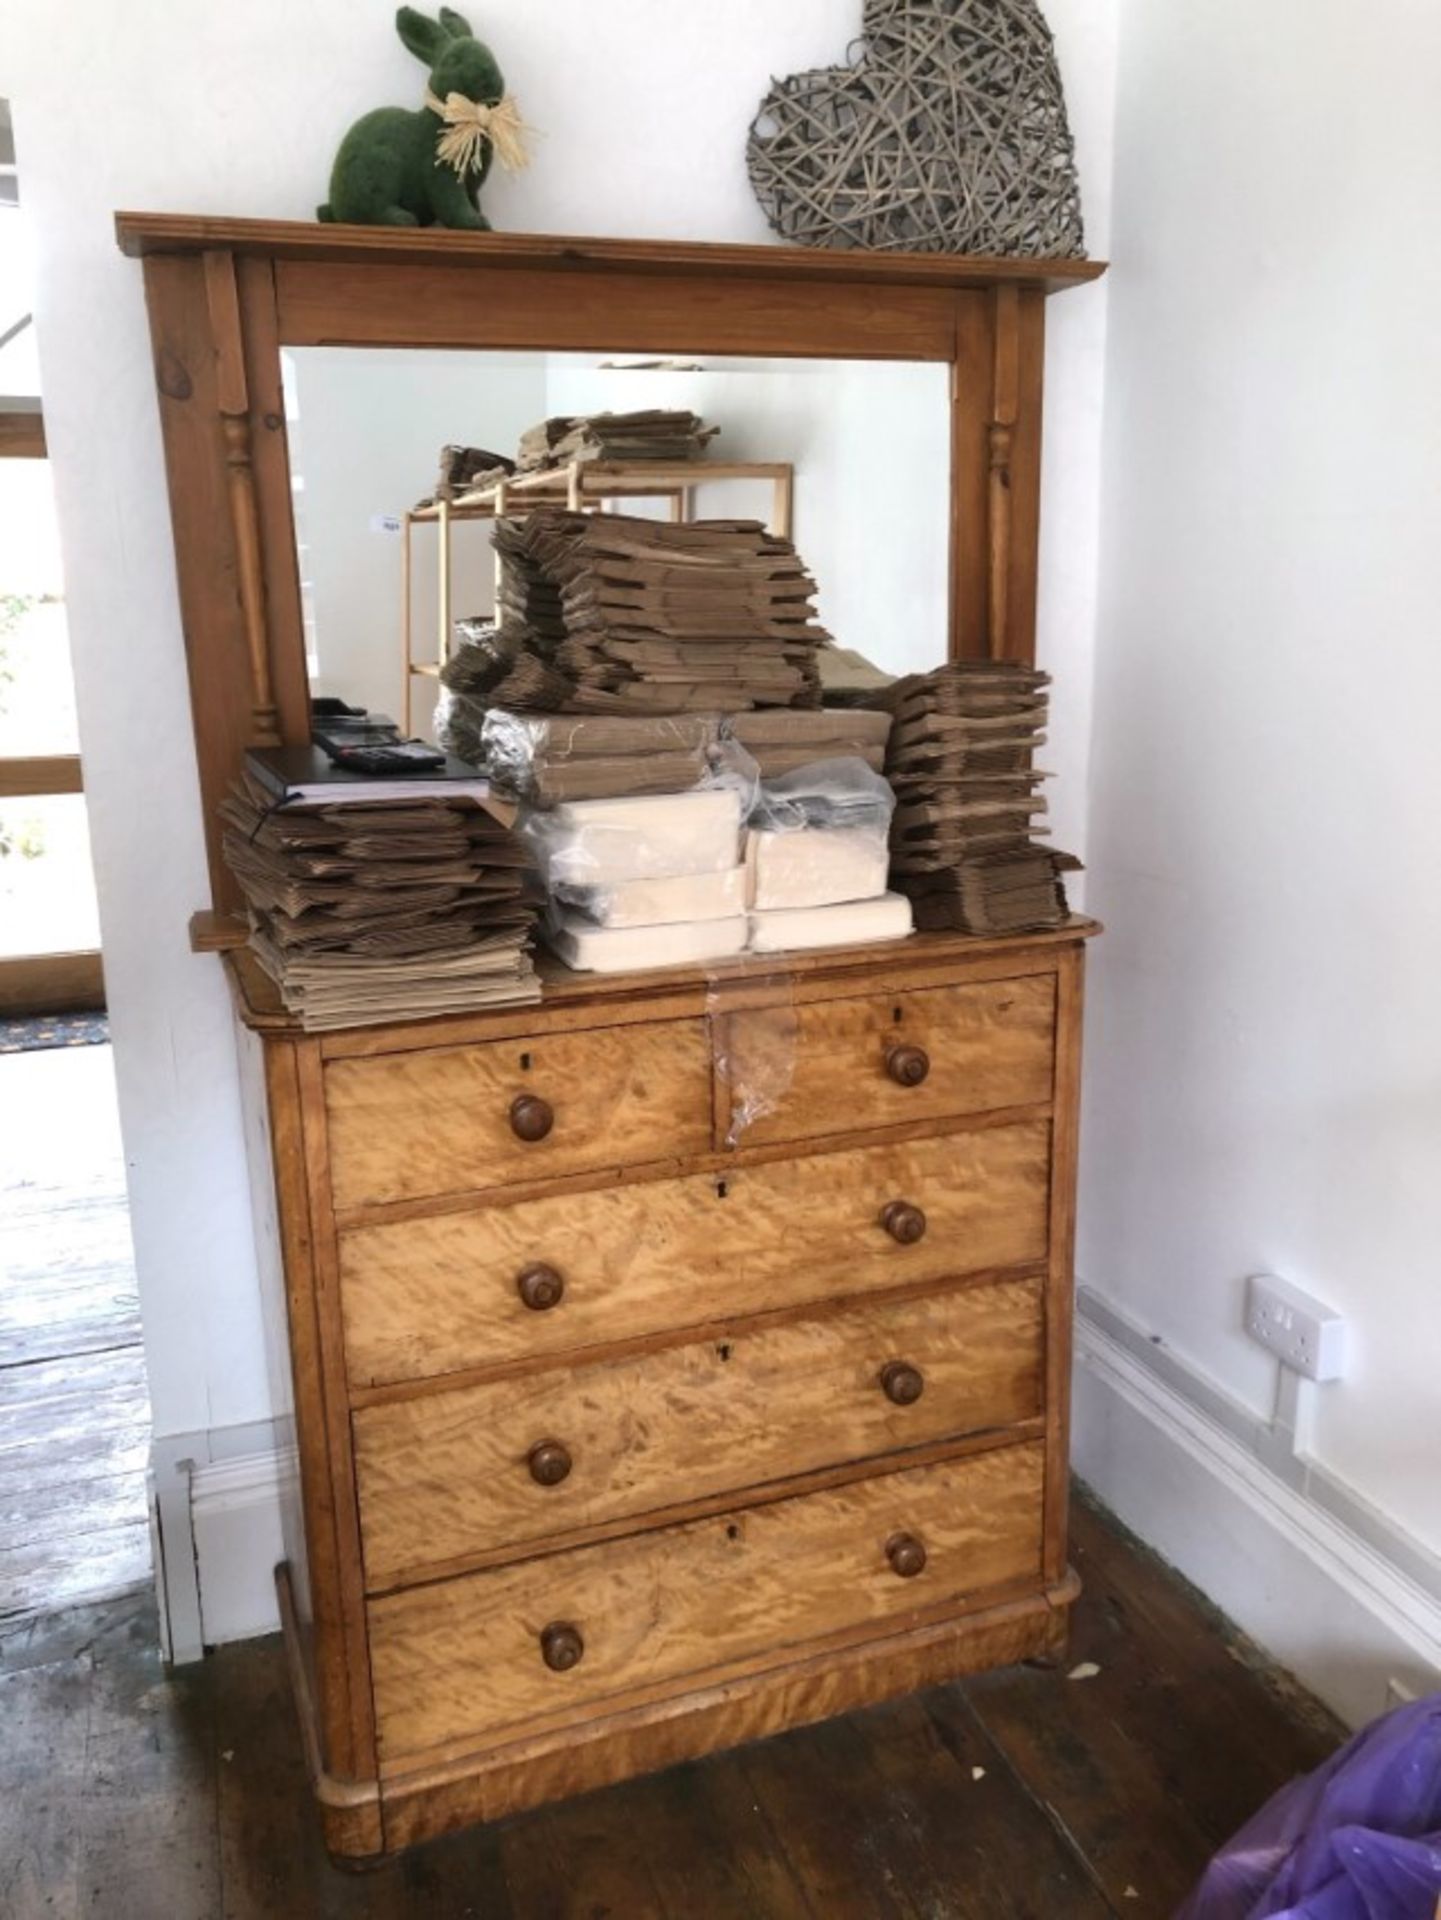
(946, 133)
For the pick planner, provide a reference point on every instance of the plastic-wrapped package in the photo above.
(840, 792)
(603, 843)
(592, 949)
(1358, 1839)
(654, 903)
(848, 924)
(815, 866)
(551, 758)
(819, 836)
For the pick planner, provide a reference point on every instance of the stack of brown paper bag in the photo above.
(365, 911)
(966, 837)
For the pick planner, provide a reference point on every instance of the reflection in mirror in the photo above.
(854, 459)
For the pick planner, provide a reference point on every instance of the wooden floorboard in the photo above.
(127, 1793)
(74, 1411)
(1152, 1761)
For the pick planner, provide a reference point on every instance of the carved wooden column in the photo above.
(234, 407)
(1005, 394)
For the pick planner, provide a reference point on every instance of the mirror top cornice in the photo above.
(140, 234)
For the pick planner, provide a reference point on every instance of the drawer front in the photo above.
(887, 1058)
(408, 1126)
(464, 1660)
(428, 1297)
(492, 1467)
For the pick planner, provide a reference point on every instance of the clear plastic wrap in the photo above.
(659, 903)
(849, 923)
(551, 758)
(814, 866)
(592, 949)
(819, 836)
(840, 792)
(643, 881)
(599, 844)
(481, 656)
(751, 1014)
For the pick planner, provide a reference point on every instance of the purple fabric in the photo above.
(1358, 1839)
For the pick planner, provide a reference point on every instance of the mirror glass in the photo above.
(855, 456)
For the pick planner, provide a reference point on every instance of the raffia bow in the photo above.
(469, 123)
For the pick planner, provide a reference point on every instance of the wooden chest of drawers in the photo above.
(675, 1362)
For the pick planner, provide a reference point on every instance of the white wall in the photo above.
(365, 441)
(236, 110)
(1264, 1051)
(870, 441)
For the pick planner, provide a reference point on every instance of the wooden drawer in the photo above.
(451, 1475)
(983, 1046)
(406, 1126)
(463, 1660)
(428, 1297)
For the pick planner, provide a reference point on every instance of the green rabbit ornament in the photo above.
(426, 169)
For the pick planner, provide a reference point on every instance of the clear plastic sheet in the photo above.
(658, 902)
(593, 949)
(1358, 1839)
(817, 839)
(840, 792)
(845, 923)
(551, 758)
(751, 1014)
(599, 844)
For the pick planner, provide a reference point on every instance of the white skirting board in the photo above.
(215, 1500)
(1348, 1608)
(236, 1509)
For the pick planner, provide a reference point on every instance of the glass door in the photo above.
(49, 927)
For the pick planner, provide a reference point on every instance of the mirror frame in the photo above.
(224, 296)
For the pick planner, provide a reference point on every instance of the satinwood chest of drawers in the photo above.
(623, 1430)
(672, 1363)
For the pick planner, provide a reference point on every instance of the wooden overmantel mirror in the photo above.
(230, 300)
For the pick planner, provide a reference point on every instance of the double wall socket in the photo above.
(1302, 1332)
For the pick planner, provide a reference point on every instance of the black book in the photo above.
(306, 776)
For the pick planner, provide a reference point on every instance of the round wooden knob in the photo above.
(561, 1646)
(907, 1066)
(531, 1117)
(901, 1383)
(549, 1463)
(540, 1288)
(906, 1555)
(903, 1222)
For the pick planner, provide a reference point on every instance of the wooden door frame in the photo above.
(42, 983)
(224, 296)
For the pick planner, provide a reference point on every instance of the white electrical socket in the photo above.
(1302, 1332)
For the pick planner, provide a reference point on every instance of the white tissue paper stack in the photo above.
(649, 881)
